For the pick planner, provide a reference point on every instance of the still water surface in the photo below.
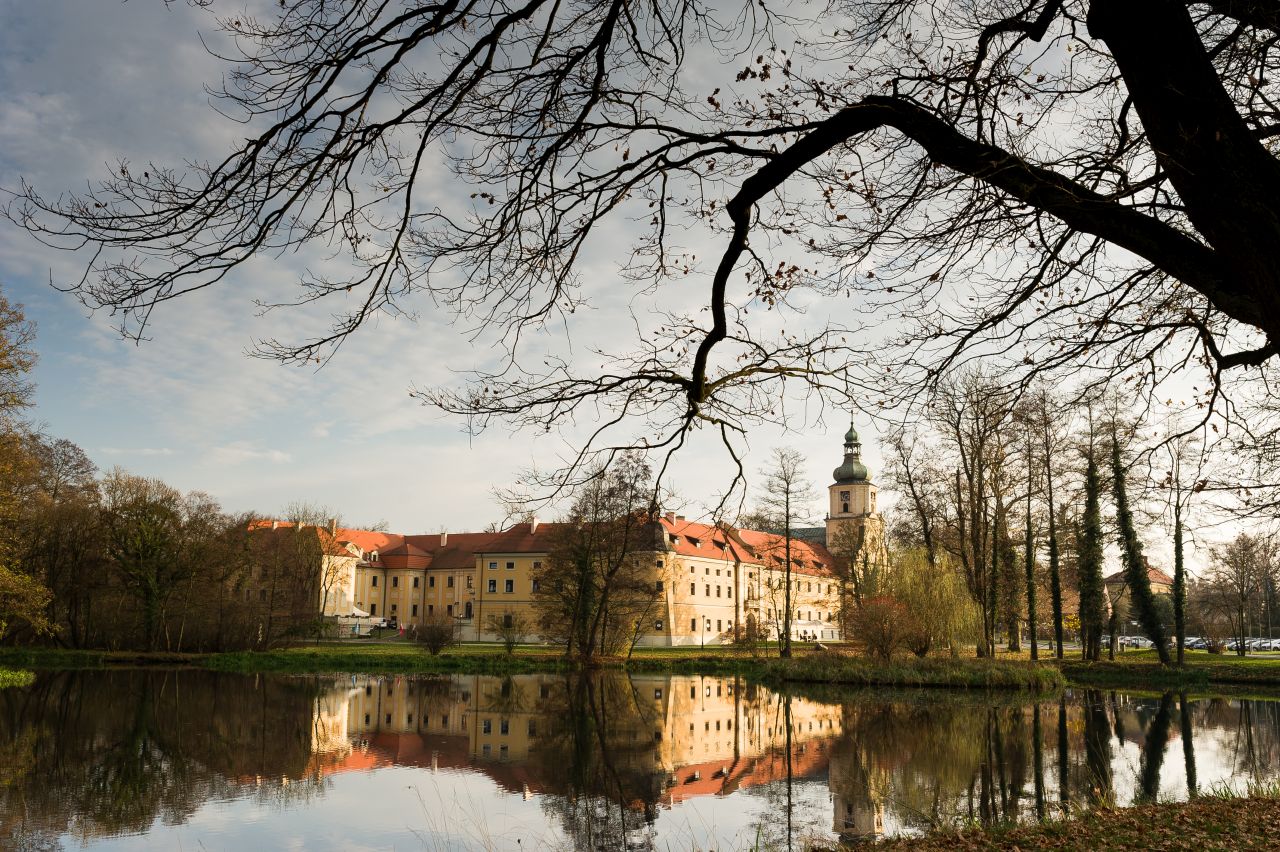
(203, 761)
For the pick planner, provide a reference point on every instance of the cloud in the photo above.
(137, 451)
(240, 452)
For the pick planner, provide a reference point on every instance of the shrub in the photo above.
(511, 629)
(882, 624)
(437, 633)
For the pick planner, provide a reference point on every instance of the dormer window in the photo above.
(373, 556)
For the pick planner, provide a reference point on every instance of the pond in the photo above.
(147, 759)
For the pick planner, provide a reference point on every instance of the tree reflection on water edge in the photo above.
(130, 758)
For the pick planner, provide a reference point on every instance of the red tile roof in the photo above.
(745, 546)
(1155, 575)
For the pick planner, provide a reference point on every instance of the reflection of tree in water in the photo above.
(1098, 782)
(1153, 748)
(933, 763)
(1188, 746)
(602, 738)
(115, 751)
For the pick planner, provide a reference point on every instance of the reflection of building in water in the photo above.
(858, 788)
(688, 735)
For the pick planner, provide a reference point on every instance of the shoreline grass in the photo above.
(402, 658)
(1134, 670)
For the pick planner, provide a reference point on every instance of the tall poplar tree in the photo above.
(1135, 569)
(1029, 556)
(1090, 569)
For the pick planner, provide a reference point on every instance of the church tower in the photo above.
(855, 528)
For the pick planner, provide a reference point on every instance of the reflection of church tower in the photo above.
(855, 528)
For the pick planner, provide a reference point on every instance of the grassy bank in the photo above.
(1143, 669)
(1212, 823)
(402, 658)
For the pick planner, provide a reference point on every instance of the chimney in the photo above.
(680, 518)
(533, 526)
(333, 527)
(444, 539)
(275, 525)
(671, 517)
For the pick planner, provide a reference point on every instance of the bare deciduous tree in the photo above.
(786, 496)
(888, 151)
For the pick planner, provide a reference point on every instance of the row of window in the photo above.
(693, 590)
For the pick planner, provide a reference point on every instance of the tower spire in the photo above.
(852, 470)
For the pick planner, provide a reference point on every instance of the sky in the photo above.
(83, 85)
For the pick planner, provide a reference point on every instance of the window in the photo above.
(366, 718)
(469, 581)
(448, 581)
(693, 693)
(414, 611)
(537, 584)
(262, 594)
(431, 608)
(408, 720)
(657, 694)
(537, 564)
(493, 585)
(468, 610)
(373, 609)
(708, 590)
(431, 582)
(693, 588)
(717, 591)
(657, 624)
(511, 566)
(375, 581)
(393, 609)
(506, 619)
(504, 727)
(415, 582)
(502, 752)
(658, 585)
(718, 627)
(448, 610)
(533, 727)
(693, 625)
(493, 565)
(486, 750)
(509, 586)
(487, 726)
(395, 582)
(388, 718)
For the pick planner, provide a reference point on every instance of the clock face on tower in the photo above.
(844, 496)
